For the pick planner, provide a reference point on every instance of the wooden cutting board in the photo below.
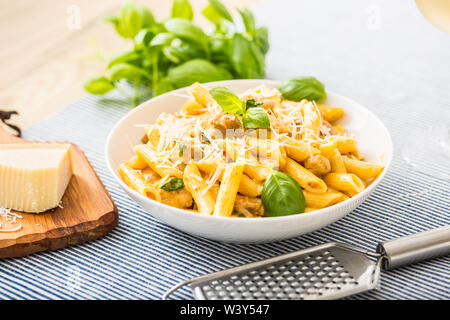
(87, 213)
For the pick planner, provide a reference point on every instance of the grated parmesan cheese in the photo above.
(10, 217)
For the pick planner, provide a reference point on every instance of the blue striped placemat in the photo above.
(400, 82)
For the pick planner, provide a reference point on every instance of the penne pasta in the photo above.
(346, 144)
(152, 136)
(201, 94)
(304, 177)
(312, 121)
(192, 107)
(330, 114)
(191, 160)
(331, 152)
(196, 185)
(252, 168)
(247, 186)
(136, 163)
(362, 169)
(322, 200)
(137, 182)
(162, 167)
(347, 183)
(299, 150)
(228, 189)
(267, 148)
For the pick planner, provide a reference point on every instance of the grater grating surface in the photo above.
(328, 271)
(324, 272)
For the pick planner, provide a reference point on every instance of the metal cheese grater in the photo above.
(328, 271)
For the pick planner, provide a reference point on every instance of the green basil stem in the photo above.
(137, 85)
(155, 70)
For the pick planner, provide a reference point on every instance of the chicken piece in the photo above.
(227, 121)
(180, 198)
(329, 128)
(248, 206)
(318, 164)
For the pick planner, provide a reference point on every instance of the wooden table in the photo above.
(45, 58)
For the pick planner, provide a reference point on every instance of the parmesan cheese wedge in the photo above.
(34, 176)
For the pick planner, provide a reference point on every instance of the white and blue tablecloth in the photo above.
(383, 54)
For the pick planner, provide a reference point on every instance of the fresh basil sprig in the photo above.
(176, 52)
(173, 184)
(253, 116)
(300, 88)
(282, 195)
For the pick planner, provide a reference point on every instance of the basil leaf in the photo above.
(163, 86)
(132, 57)
(302, 88)
(182, 9)
(181, 51)
(185, 29)
(144, 37)
(282, 195)
(248, 19)
(212, 15)
(251, 103)
(197, 70)
(256, 118)
(262, 39)
(227, 100)
(162, 39)
(221, 9)
(99, 85)
(204, 137)
(130, 22)
(127, 71)
(147, 17)
(173, 184)
(246, 58)
(181, 148)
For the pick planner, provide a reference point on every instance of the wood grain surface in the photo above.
(87, 212)
(45, 59)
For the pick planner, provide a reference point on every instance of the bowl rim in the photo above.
(388, 156)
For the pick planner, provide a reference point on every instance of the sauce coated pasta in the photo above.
(253, 155)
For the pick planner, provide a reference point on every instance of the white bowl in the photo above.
(373, 138)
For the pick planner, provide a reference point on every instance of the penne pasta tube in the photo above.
(150, 175)
(331, 152)
(153, 136)
(312, 120)
(330, 114)
(267, 148)
(201, 94)
(162, 167)
(340, 129)
(192, 107)
(304, 177)
(228, 189)
(196, 185)
(299, 150)
(321, 200)
(346, 144)
(362, 169)
(347, 183)
(136, 181)
(247, 186)
(252, 168)
(136, 163)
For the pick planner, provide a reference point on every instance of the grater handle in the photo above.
(414, 248)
